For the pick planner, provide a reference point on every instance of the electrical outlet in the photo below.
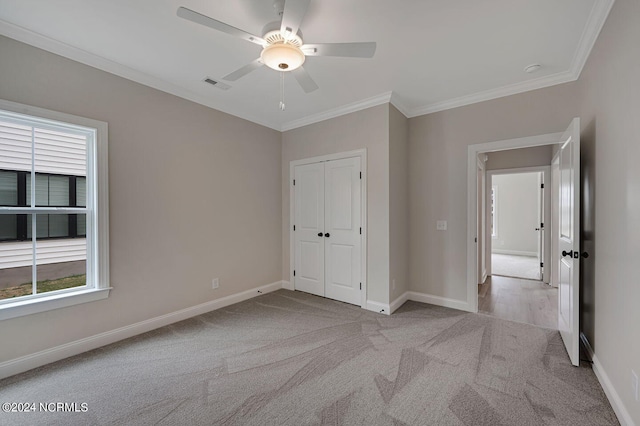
(215, 283)
(441, 225)
(634, 385)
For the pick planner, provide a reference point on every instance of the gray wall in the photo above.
(518, 214)
(523, 157)
(398, 203)
(610, 112)
(185, 184)
(438, 180)
(363, 129)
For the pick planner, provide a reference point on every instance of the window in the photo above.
(53, 210)
(494, 211)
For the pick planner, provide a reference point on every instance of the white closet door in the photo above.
(309, 232)
(342, 238)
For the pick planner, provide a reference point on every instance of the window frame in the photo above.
(97, 232)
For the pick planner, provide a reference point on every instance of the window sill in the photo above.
(43, 304)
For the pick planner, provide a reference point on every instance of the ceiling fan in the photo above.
(282, 43)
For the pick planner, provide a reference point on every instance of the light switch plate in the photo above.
(441, 225)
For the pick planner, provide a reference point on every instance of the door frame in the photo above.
(555, 228)
(362, 153)
(483, 269)
(472, 202)
(546, 172)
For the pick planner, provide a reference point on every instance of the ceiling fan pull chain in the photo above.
(282, 106)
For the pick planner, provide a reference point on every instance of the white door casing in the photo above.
(569, 241)
(309, 228)
(542, 221)
(342, 230)
(327, 241)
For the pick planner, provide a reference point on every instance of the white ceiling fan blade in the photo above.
(304, 80)
(350, 50)
(201, 19)
(294, 11)
(251, 66)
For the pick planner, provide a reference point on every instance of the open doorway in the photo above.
(517, 237)
(566, 255)
(517, 201)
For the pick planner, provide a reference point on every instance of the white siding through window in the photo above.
(55, 152)
(20, 253)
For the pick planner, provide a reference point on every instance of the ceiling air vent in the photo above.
(217, 83)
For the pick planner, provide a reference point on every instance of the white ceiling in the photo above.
(431, 54)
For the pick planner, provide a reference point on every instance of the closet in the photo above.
(327, 234)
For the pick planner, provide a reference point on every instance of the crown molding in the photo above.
(399, 104)
(597, 18)
(40, 41)
(595, 22)
(512, 89)
(383, 98)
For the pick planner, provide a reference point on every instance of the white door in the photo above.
(309, 228)
(327, 234)
(569, 240)
(342, 230)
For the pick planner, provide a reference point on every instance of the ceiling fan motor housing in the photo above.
(280, 53)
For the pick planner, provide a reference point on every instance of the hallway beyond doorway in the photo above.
(515, 299)
(508, 265)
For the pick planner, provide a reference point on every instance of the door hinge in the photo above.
(294, 182)
(361, 231)
(294, 272)
(541, 225)
(294, 227)
(360, 286)
(541, 264)
(475, 240)
(542, 185)
(360, 175)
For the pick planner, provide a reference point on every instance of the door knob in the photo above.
(567, 253)
(319, 234)
(327, 235)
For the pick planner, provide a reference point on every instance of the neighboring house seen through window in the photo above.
(53, 210)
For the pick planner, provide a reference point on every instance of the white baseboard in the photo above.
(515, 252)
(382, 308)
(439, 301)
(28, 362)
(378, 307)
(288, 285)
(398, 302)
(614, 399)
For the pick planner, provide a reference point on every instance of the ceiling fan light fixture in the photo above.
(282, 57)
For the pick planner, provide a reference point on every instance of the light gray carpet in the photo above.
(507, 265)
(288, 358)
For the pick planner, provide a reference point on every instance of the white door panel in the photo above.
(342, 224)
(309, 222)
(568, 241)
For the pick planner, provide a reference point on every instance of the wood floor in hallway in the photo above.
(515, 299)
